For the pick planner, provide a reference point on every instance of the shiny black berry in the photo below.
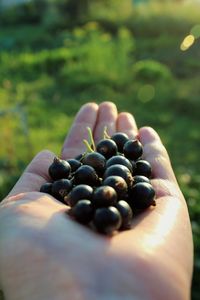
(59, 169)
(79, 157)
(126, 214)
(46, 188)
(107, 148)
(95, 160)
(104, 196)
(74, 164)
(107, 220)
(86, 175)
(119, 170)
(142, 196)
(119, 184)
(133, 149)
(79, 192)
(140, 178)
(60, 188)
(133, 165)
(120, 139)
(119, 160)
(83, 211)
(143, 167)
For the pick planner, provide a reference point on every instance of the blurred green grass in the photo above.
(135, 61)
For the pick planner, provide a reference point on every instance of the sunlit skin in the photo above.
(46, 255)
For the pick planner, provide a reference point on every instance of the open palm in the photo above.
(46, 255)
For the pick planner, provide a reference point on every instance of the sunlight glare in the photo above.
(163, 227)
(187, 42)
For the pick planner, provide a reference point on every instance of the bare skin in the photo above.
(45, 255)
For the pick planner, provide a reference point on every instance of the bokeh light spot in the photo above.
(187, 42)
(146, 93)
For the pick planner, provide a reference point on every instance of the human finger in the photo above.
(107, 117)
(73, 144)
(156, 154)
(126, 123)
(35, 174)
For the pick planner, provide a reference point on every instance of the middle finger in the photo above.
(107, 116)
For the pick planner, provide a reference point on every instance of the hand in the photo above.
(46, 255)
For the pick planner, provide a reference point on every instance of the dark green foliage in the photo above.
(30, 12)
(151, 71)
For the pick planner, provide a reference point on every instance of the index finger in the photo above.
(73, 144)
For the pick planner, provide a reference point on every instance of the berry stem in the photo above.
(91, 140)
(105, 133)
(56, 159)
(88, 147)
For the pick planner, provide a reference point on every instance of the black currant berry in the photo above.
(142, 196)
(60, 188)
(104, 186)
(79, 157)
(119, 170)
(118, 183)
(133, 165)
(104, 196)
(83, 211)
(126, 214)
(86, 175)
(107, 148)
(95, 160)
(119, 160)
(133, 149)
(79, 192)
(74, 164)
(46, 188)
(59, 169)
(120, 139)
(107, 219)
(143, 167)
(140, 178)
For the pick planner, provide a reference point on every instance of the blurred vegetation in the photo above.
(57, 55)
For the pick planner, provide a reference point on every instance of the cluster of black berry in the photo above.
(106, 185)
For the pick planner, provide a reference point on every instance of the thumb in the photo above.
(35, 174)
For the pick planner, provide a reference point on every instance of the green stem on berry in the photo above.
(105, 133)
(88, 147)
(83, 155)
(91, 139)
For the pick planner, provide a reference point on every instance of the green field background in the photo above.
(55, 57)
